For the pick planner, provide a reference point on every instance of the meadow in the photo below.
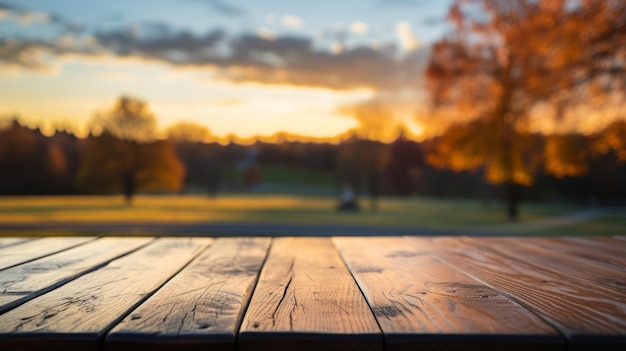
(417, 213)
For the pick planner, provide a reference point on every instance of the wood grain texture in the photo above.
(609, 248)
(5, 242)
(307, 300)
(600, 242)
(612, 255)
(201, 307)
(76, 315)
(32, 250)
(607, 281)
(588, 318)
(423, 303)
(27, 281)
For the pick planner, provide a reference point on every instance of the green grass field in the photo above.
(422, 213)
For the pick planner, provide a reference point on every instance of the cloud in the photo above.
(176, 48)
(405, 36)
(390, 3)
(291, 21)
(7, 7)
(301, 64)
(224, 8)
(26, 17)
(358, 27)
(272, 60)
(22, 16)
(336, 48)
(35, 54)
(68, 26)
(433, 21)
(266, 33)
(266, 58)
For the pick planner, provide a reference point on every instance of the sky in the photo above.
(243, 67)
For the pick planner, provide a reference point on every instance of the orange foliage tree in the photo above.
(566, 154)
(613, 137)
(188, 132)
(126, 157)
(504, 61)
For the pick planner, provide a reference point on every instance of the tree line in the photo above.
(126, 157)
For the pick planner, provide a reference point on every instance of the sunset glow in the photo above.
(449, 98)
(242, 69)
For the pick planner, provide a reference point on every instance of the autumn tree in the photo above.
(126, 156)
(507, 63)
(567, 155)
(187, 132)
(612, 138)
(128, 119)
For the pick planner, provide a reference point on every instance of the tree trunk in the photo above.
(512, 200)
(374, 190)
(128, 187)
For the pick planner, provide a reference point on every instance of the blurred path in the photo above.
(535, 226)
(231, 229)
(300, 229)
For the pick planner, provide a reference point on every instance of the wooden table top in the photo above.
(302, 293)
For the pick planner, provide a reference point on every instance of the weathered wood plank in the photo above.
(613, 256)
(5, 242)
(588, 319)
(423, 303)
(27, 281)
(201, 307)
(307, 300)
(608, 281)
(599, 242)
(14, 255)
(609, 247)
(76, 315)
(609, 242)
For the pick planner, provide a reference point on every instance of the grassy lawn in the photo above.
(606, 225)
(423, 213)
